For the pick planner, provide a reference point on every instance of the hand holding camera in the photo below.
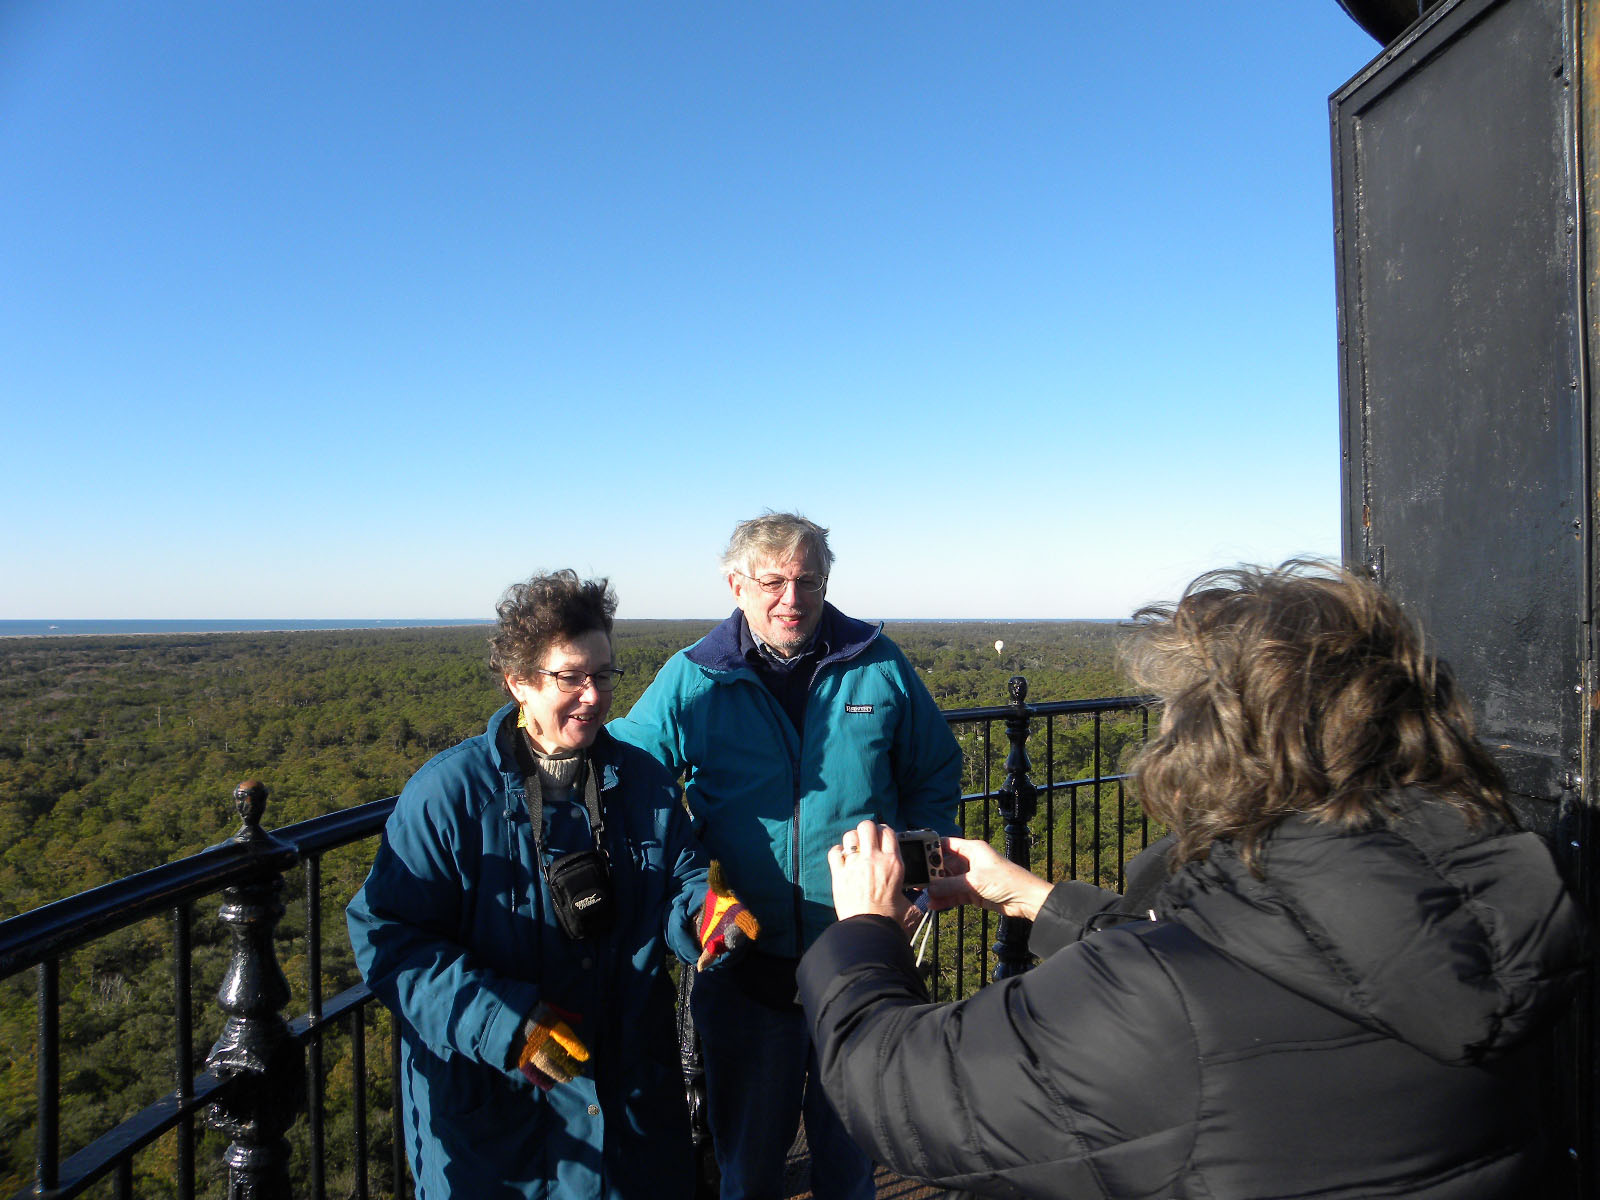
(922, 856)
(872, 866)
(975, 873)
(868, 876)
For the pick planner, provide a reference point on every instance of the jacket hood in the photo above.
(719, 650)
(1459, 942)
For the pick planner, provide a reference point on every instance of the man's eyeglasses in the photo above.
(775, 585)
(576, 681)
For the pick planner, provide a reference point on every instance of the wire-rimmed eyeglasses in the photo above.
(776, 585)
(576, 681)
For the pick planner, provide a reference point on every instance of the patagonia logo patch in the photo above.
(860, 708)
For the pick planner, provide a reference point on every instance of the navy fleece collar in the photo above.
(720, 650)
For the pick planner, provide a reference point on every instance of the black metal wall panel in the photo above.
(1460, 349)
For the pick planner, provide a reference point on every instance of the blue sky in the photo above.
(367, 310)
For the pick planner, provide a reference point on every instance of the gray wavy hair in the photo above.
(775, 537)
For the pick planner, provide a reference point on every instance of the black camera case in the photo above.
(581, 893)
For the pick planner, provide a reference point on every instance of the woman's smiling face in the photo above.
(560, 722)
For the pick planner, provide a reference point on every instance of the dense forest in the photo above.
(121, 753)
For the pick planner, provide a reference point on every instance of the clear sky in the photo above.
(328, 309)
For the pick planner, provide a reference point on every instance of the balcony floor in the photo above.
(797, 1179)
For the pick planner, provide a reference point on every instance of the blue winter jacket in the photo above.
(769, 801)
(454, 931)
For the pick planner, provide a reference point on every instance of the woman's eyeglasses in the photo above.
(576, 681)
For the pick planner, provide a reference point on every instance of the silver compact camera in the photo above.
(922, 853)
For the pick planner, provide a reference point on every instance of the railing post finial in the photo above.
(1017, 686)
(1018, 800)
(250, 799)
(255, 1048)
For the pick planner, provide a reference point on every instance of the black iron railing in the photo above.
(264, 1071)
(250, 1086)
(1087, 826)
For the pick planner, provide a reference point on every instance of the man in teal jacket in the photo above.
(790, 723)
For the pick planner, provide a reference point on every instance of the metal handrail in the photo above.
(52, 929)
(1049, 708)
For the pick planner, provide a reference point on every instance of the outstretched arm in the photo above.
(976, 874)
(1062, 913)
(1031, 1087)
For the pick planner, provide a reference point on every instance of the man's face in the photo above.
(786, 617)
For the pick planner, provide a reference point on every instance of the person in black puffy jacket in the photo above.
(1345, 985)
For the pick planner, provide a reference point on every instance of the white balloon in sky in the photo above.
(999, 646)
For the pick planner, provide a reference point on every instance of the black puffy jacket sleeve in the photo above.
(1075, 909)
(1065, 1081)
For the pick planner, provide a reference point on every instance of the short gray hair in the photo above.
(775, 537)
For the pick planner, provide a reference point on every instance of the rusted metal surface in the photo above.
(1466, 171)
(1462, 376)
(1587, 152)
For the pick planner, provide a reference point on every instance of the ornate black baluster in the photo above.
(314, 1080)
(358, 1063)
(48, 1162)
(1018, 800)
(255, 1049)
(707, 1177)
(183, 1041)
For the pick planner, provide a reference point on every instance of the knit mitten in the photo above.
(726, 925)
(551, 1053)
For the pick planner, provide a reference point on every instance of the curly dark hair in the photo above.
(546, 611)
(1297, 689)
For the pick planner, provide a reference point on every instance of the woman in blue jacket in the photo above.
(538, 1055)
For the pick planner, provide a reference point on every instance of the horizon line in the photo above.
(331, 624)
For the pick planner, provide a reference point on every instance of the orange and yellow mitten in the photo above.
(726, 925)
(551, 1053)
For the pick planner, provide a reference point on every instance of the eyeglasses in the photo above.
(776, 585)
(576, 681)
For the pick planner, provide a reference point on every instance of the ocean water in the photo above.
(202, 625)
(280, 624)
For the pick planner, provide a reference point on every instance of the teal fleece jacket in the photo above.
(767, 800)
(454, 932)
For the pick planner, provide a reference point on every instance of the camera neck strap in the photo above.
(585, 784)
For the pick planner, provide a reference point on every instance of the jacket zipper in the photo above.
(781, 719)
(794, 777)
(513, 859)
(511, 853)
(794, 773)
(794, 845)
